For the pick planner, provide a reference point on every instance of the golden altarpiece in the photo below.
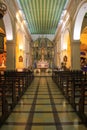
(43, 54)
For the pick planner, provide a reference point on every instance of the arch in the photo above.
(79, 20)
(8, 26)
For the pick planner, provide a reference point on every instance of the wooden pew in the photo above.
(83, 100)
(73, 85)
(13, 84)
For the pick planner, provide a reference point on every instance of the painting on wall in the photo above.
(20, 58)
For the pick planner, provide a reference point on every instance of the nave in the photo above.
(43, 107)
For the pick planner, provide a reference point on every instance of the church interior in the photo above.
(43, 64)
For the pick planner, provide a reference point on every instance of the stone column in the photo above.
(10, 61)
(55, 55)
(75, 55)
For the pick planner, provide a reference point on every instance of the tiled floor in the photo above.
(43, 107)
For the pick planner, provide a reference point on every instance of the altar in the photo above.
(42, 65)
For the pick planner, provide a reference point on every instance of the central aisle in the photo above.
(43, 107)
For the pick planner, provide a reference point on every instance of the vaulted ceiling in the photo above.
(42, 16)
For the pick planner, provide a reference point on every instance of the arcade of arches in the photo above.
(21, 51)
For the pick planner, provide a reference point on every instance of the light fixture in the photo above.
(20, 47)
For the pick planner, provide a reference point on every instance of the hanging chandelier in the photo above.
(3, 9)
